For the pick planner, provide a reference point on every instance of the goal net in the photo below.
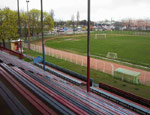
(100, 36)
(111, 55)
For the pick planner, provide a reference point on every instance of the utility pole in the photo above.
(42, 35)
(19, 30)
(28, 25)
(88, 49)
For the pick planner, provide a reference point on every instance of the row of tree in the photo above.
(35, 22)
(9, 23)
(74, 22)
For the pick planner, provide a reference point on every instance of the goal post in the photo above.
(111, 55)
(100, 36)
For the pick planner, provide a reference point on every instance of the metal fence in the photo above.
(96, 64)
(74, 58)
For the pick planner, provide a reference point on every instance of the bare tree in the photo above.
(52, 13)
(72, 19)
(78, 16)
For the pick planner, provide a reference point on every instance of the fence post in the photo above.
(112, 69)
(39, 49)
(96, 63)
(24, 45)
(31, 46)
(65, 58)
(53, 52)
(49, 52)
(76, 59)
(36, 48)
(82, 60)
(144, 77)
(104, 67)
(56, 52)
(71, 57)
(46, 51)
(61, 54)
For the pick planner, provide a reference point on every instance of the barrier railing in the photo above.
(74, 58)
(127, 95)
(12, 52)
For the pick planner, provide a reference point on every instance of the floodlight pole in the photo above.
(19, 30)
(42, 35)
(88, 49)
(28, 25)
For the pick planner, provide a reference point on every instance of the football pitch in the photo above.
(133, 47)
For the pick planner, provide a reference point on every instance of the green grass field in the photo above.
(140, 90)
(133, 47)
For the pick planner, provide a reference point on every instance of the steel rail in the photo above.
(55, 88)
(52, 102)
(51, 93)
(16, 103)
(40, 106)
(128, 105)
(66, 96)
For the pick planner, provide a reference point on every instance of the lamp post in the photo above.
(28, 25)
(19, 30)
(42, 35)
(88, 49)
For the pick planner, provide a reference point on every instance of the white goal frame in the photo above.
(96, 36)
(111, 55)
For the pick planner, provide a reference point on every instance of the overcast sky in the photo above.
(100, 9)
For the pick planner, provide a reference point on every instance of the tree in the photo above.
(35, 18)
(48, 22)
(35, 21)
(72, 19)
(68, 23)
(83, 22)
(52, 14)
(118, 25)
(8, 25)
(24, 22)
(78, 16)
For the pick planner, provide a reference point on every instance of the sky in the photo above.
(100, 9)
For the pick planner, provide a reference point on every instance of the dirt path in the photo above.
(105, 66)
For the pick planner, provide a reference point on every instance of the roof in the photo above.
(128, 72)
(17, 40)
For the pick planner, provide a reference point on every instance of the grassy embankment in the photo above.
(139, 90)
